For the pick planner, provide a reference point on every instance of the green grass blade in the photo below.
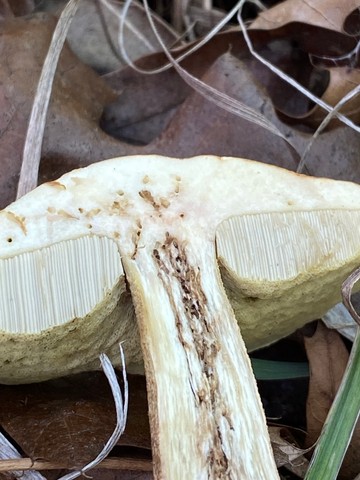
(273, 370)
(340, 423)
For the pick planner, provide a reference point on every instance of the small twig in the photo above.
(35, 132)
(121, 413)
(111, 463)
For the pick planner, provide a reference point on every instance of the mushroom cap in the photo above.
(284, 242)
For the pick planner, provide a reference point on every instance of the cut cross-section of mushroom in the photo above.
(282, 269)
(155, 220)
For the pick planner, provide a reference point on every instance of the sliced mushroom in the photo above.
(64, 248)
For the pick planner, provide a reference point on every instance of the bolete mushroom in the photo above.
(67, 247)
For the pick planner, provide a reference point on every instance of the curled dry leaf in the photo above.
(328, 357)
(331, 47)
(286, 452)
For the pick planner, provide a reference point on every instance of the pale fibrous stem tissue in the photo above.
(194, 322)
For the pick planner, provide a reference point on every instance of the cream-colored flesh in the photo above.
(198, 373)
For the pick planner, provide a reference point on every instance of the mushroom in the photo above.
(69, 248)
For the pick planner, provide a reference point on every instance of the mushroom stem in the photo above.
(206, 416)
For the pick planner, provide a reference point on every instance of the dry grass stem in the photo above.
(121, 413)
(333, 113)
(34, 136)
(194, 48)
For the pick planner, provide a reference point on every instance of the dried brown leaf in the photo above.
(322, 30)
(341, 81)
(199, 126)
(329, 14)
(328, 357)
(158, 94)
(71, 418)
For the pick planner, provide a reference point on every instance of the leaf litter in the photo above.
(92, 117)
